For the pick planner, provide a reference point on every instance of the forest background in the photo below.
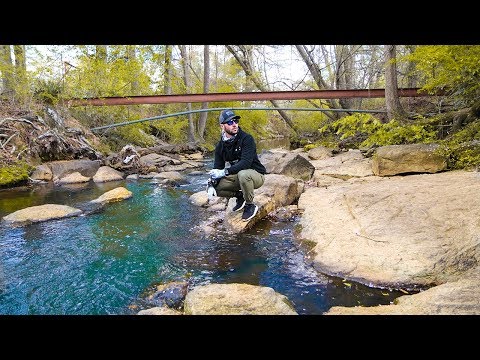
(38, 79)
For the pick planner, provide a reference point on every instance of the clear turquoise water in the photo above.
(104, 263)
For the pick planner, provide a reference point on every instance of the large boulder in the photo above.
(42, 172)
(283, 162)
(277, 191)
(62, 168)
(157, 161)
(453, 298)
(106, 173)
(396, 231)
(413, 158)
(236, 299)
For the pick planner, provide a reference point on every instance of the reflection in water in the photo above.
(283, 143)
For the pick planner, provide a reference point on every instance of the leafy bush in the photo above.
(369, 131)
(47, 91)
(462, 149)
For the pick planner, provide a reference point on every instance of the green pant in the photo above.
(245, 180)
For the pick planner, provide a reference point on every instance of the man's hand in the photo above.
(217, 173)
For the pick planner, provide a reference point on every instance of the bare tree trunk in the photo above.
(167, 77)
(132, 57)
(20, 66)
(412, 80)
(249, 85)
(246, 63)
(392, 101)
(202, 121)
(341, 56)
(186, 79)
(20, 63)
(100, 71)
(215, 63)
(317, 77)
(6, 67)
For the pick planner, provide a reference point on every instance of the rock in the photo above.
(64, 167)
(349, 163)
(277, 191)
(117, 194)
(42, 172)
(396, 231)
(236, 299)
(159, 311)
(171, 295)
(171, 177)
(41, 213)
(414, 158)
(106, 173)
(73, 178)
(286, 163)
(199, 198)
(319, 153)
(453, 298)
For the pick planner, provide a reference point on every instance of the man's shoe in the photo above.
(249, 212)
(240, 203)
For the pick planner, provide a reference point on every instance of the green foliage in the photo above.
(371, 132)
(174, 129)
(326, 141)
(253, 122)
(47, 91)
(134, 134)
(310, 147)
(15, 173)
(306, 121)
(453, 68)
(351, 125)
(118, 75)
(463, 148)
(393, 133)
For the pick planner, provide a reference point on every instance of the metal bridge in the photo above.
(240, 96)
(243, 96)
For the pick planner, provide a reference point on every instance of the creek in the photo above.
(106, 262)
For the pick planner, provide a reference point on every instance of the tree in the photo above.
(202, 121)
(454, 69)
(344, 68)
(392, 101)
(317, 77)
(6, 67)
(168, 69)
(132, 60)
(188, 85)
(242, 54)
(20, 63)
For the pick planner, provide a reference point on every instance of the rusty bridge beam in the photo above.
(243, 96)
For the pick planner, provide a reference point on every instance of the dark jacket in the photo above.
(241, 153)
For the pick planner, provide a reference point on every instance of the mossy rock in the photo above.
(14, 174)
